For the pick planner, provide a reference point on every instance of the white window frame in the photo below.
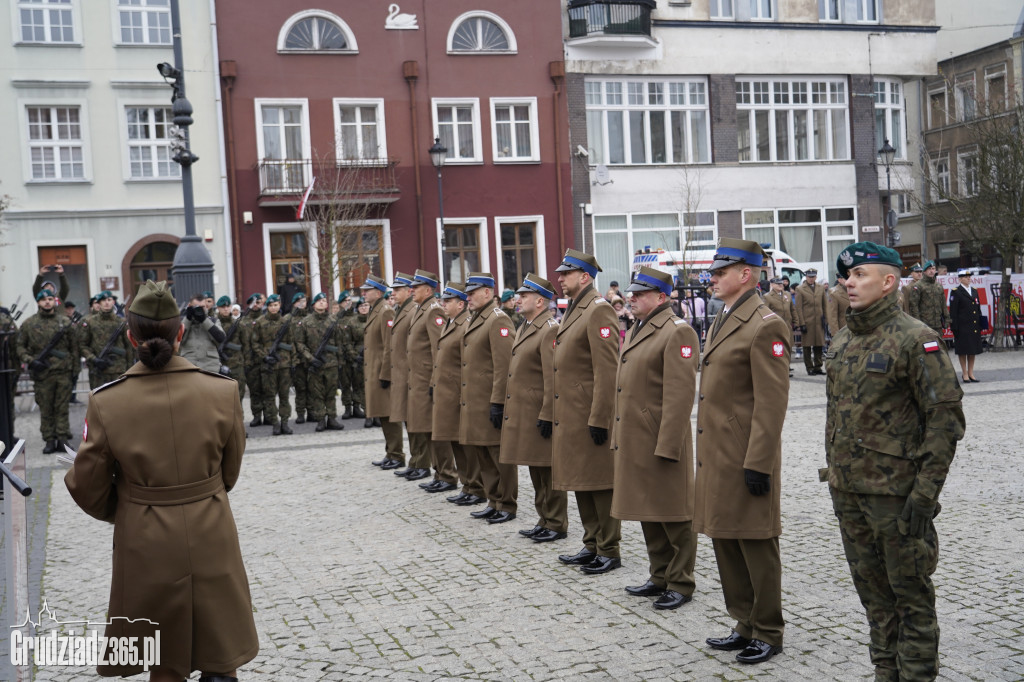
(510, 36)
(286, 27)
(756, 7)
(387, 264)
(478, 148)
(944, 91)
(381, 154)
(992, 73)
(83, 143)
(888, 106)
(823, 17)
(862, 11)
(826, 264)
(539, 245)
(531, 102)
(717, 13)
(127, 143)
(76, 22)
(307, 153)
(963, 157)
(962, 99)
(483, 243)
(936, 176)
(768, 104)
(145, 11)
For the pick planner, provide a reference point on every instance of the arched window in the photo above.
(316, 31)
(481, 32)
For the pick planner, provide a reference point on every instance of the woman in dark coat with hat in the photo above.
(965, 320)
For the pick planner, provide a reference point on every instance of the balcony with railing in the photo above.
(611, 23)
(283, 181)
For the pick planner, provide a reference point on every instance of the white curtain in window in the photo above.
(802, 242)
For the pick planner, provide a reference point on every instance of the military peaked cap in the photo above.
(649, 279)
(577, 260)
(532, 284)
(731, 251)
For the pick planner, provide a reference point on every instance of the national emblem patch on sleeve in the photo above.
(391, 323)
(686, 351)
(503, 331)
(85, 431)
(439, 321)
(778, 349)
(605, 332)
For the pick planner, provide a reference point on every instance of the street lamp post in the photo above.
(437, 153)
(888, 153)
(192, 269)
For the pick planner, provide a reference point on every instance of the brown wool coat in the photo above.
(486, 351)
(810, 307)
(447, 379)
(837, 303)
(530, 393)
(744, 393)
(651, 439)
(586, 357)
(377, 359)
(180, 564)
(425, 329)
(782, 305)
(398, 338)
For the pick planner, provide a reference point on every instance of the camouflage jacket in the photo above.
(236, 348)
(36, 333)
(894, 413)
(927, 302)
(248, 331)
(339, 346)
(8, 339)
(298, 317)
(357, 326)
(94, 333)
(263, 334)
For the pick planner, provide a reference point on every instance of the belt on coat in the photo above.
(169, 495)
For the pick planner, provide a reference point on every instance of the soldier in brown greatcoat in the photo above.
(446, 392)
(780, 302)
(177, 565)
(398, 337)
(837, 303)
(744, 392)
(529, 412)
(651, 438)
(586, 356)
(428, 319)
(377, 370)
(486, 351)
(810, 318)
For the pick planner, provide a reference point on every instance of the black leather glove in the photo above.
(803, 328)
(497, 413)
(545, 428)
(38, 366)
(915, 517)
(317, 363)
(270, 360)
(101, 364)
(757, 483)
(599, 435)
(385, 384)
(196, 313)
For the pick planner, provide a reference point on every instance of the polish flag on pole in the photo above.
(301, 210)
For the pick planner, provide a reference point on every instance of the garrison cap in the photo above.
(731, 251)
(375, 282)
(106, 293)
(478, 280)
(929, 264)
(154, 301)
(649, 279)
(532, 284)
(402, 280)
(424, 277)
(273, 298)
(223, 300)
(454, 290)
(577, 260)
(319, 296)
(917, 268)
(298, 295)
(866, 252)
(44, 293)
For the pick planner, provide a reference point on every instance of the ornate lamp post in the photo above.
(888, 153)
(437, 153)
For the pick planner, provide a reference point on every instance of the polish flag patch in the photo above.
(391, 323)
(554, 342)
(85, 431)
(606, 332)
(931, 347)
(686, 351)
(439, 321)
(778, 349)
(503, 331)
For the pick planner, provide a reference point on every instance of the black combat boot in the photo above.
(285, 429)
(334, 425)
(348, 412)
(357, 412)
(368, 423)
(50, 447)
(277, 428)
(257, 420)
(321, 425)
(301, 418)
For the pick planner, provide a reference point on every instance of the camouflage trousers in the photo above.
(891, 571)
(254, 380)
(300, 382)
(322, 393)
(52, 394)
(277, 383)
(351, 384)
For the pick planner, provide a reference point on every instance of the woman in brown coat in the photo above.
(176, 559)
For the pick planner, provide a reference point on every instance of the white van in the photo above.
(697, 261)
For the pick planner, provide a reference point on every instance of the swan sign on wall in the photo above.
(398, 22)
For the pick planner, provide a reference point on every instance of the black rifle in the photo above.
(100, 361)
(277, 343)
(226, 344)
(323, 342)
(51, 347)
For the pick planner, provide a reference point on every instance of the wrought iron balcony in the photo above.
(597, 18)
(283, 181)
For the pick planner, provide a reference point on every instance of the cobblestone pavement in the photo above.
(356, 573)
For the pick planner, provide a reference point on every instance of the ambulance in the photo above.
(697, 261)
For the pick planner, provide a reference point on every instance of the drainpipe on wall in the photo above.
(230, 242)
(557, 72)
(922, 161)
(411, 71)
(228, 73)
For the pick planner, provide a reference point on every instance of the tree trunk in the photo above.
(998, 329)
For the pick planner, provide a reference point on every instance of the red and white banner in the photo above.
(301, 210)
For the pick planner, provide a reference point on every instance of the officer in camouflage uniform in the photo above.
(235, 342)
(357, 326)
(253, 360)
(322, 327)
(916, 273)
(51, 376)
(927, 300)
(276, 369)
(79, 331)
(350, 377)
(300, 370)
(95, 332)
(893, 419)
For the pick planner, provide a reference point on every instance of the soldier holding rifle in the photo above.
(104, 344)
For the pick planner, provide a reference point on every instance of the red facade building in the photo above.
(353, 93)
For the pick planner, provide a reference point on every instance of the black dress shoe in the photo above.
(455, 499)
(580, 558)
(734, 642)
(429, 484)
(648, 589)
(380, 462)
(404, 472)
(485, 513)
(368, 423)
(501, 517)
(601, 564)
(758, 652)
(417, 474)
(471, 500)
(547, 535)
(391, 464)
(530, 532)
(442, 487)
(671, 600)
(217, 678)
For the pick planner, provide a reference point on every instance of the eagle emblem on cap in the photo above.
(846, 258)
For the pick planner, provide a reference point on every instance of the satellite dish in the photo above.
(601, 174)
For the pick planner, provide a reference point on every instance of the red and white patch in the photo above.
(686, 351)
(554, 342)
(439, 321)
(503, 331)
(606, 332)
(391, 323)
(778, 349)
(931, 347)
(85, 431)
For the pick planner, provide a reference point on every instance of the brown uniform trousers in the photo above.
(377, 368)
(425, 327)
(446, 382)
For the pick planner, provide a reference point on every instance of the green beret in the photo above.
(507, 295)
(319, 296)
(917, 268)
(154, 301)
(273, 298)
(253, 297)
(44, 293)
(866, 252)
(929, 264)
(104, 294)
(298, 295)
(223, 300)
